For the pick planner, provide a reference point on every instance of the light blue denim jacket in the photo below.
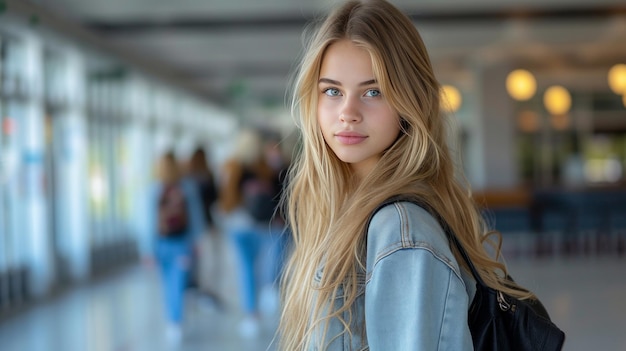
(415, 296)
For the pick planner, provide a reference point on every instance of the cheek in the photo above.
(324, 118)
(392, 127)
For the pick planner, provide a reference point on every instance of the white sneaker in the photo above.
(249, 327)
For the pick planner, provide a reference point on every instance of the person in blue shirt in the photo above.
(247, 213)
(368, 108)
(176, 221)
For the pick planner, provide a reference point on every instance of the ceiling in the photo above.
(234, 48)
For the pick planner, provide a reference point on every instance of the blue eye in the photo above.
(373, 93)
(331, 92)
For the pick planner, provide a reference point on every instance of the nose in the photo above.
(350, 112)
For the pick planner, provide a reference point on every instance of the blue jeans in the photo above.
(248, 245)
(258, 251)
(174, 258)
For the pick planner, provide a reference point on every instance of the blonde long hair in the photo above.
(328, 208)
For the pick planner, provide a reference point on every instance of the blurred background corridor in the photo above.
(94, 93)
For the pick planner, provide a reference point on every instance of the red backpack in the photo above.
(173, 218)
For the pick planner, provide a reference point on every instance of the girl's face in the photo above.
(356, 121)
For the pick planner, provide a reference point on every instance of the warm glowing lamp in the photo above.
(617, 79)
(557, 100)
(451, 98)
(521, 85)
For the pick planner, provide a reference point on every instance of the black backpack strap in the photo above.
(534, 304)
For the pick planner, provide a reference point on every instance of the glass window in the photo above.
(12, 102)
(108, 157)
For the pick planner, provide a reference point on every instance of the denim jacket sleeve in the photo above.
(415, 297)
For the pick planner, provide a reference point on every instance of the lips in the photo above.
(350, 138)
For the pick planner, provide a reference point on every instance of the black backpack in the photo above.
(259, 198)
(173, 219)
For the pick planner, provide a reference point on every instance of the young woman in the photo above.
(175, 223)
(368, 106)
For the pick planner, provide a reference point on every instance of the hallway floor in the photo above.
(585, 296)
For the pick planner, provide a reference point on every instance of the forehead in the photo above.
(345, 58)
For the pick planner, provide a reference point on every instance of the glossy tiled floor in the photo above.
(124, 312)
(585, 296)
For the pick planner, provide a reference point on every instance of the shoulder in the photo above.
(187, 183)
(189, 186)
(404, 225)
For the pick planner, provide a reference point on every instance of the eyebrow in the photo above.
(336, 82)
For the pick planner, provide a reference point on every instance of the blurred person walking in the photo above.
(248, 198)
(278, 161)
(176, 220)
(200, 171)
(206, 267)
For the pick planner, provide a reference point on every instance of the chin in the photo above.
(348, 159)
